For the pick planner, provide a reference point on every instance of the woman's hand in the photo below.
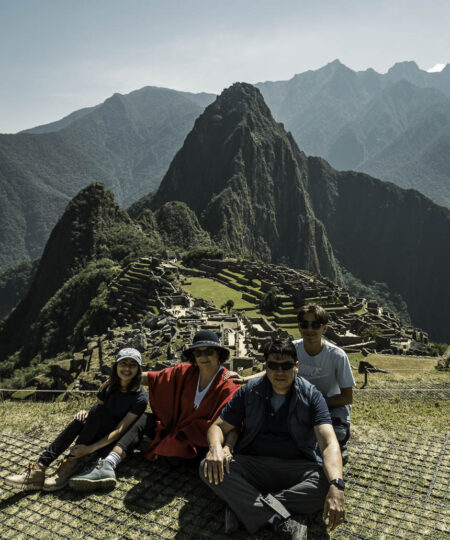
(80, 450)
(233, 375)
(81, 416)
(105, 384)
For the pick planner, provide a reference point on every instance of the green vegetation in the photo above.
(270, 301)
(229, 304)
(380, 292)
(127, 143)
(14, 284)
(179, 227)
(438, 349)
(193, 256)
(371, 332)
(218, 293)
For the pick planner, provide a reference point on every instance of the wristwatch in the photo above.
(339, 483)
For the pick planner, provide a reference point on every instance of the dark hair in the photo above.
(223, 355)
(133, 386)
(320, 314)
(280, 346)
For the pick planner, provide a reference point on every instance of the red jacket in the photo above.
(180, 428)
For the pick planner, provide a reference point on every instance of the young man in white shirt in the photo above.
(327, 367)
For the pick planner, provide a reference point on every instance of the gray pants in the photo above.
(257, 487)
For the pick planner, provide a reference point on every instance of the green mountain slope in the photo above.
(239, 171)
(127, 143)
(379, 124)
(82, 254)
(255, 192)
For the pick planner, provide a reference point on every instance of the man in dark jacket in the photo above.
(287, 462)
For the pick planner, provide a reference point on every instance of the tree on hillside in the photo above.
(270, 301)
(371, 332)
(229, 304)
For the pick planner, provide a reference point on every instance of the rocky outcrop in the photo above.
(239, 171)
(93, 229)
(387, 234)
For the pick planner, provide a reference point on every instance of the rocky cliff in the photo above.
(127, 143)
(239, 171)
(384, 233)
(256, 193)
(92, 236)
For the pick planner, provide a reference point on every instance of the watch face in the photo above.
(339, 483)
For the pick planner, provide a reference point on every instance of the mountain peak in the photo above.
(240, 97)
(240, 172)
(408, 67)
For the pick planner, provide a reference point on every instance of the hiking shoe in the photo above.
(99, 476)
(344, 453)
(32, 478)
(67, 468)
(231, 521)
(291, 529)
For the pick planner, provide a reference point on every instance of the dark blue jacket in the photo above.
(257, 404)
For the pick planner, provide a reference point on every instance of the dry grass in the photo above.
(397, 476)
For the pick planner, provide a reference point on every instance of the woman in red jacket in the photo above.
(185, 400)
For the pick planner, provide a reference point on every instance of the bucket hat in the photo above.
(206, 338)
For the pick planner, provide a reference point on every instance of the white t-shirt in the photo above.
(199, 395)
(329, 371)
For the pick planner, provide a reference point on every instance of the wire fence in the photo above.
(396, 488)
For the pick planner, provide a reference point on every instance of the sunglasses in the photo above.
(208, 352)
(285, 366)
(315, 325)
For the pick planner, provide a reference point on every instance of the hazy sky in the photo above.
(57, 56)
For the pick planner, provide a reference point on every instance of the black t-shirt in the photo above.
(119, 404)
(274, 439)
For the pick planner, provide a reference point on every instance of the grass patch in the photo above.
(42, 418)
(217, 292)
(403, 370)
(375, 416)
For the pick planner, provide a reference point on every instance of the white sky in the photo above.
(57, 56)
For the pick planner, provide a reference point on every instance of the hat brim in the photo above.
(138, 362)
(212, 344)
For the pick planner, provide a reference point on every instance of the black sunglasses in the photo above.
(285, 366)
(208, 352)
(315, 325)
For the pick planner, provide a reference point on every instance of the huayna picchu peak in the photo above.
(258, 194)
(241, 174)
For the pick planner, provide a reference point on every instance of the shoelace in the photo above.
(90, 467)
(30, 468)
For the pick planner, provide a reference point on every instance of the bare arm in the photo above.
(334, 508)
(221, 437)
(345, 398)
(243, 380)
(80, 450)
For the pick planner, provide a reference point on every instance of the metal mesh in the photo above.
(397, 488)
(423, 391)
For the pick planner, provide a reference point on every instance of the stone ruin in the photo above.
(156, 316)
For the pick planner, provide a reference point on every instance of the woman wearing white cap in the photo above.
(185, 400)
(117, 408)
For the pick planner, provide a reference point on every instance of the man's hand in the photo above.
(80, 450)
(216, 460)
(334, 507)
(81, 416)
